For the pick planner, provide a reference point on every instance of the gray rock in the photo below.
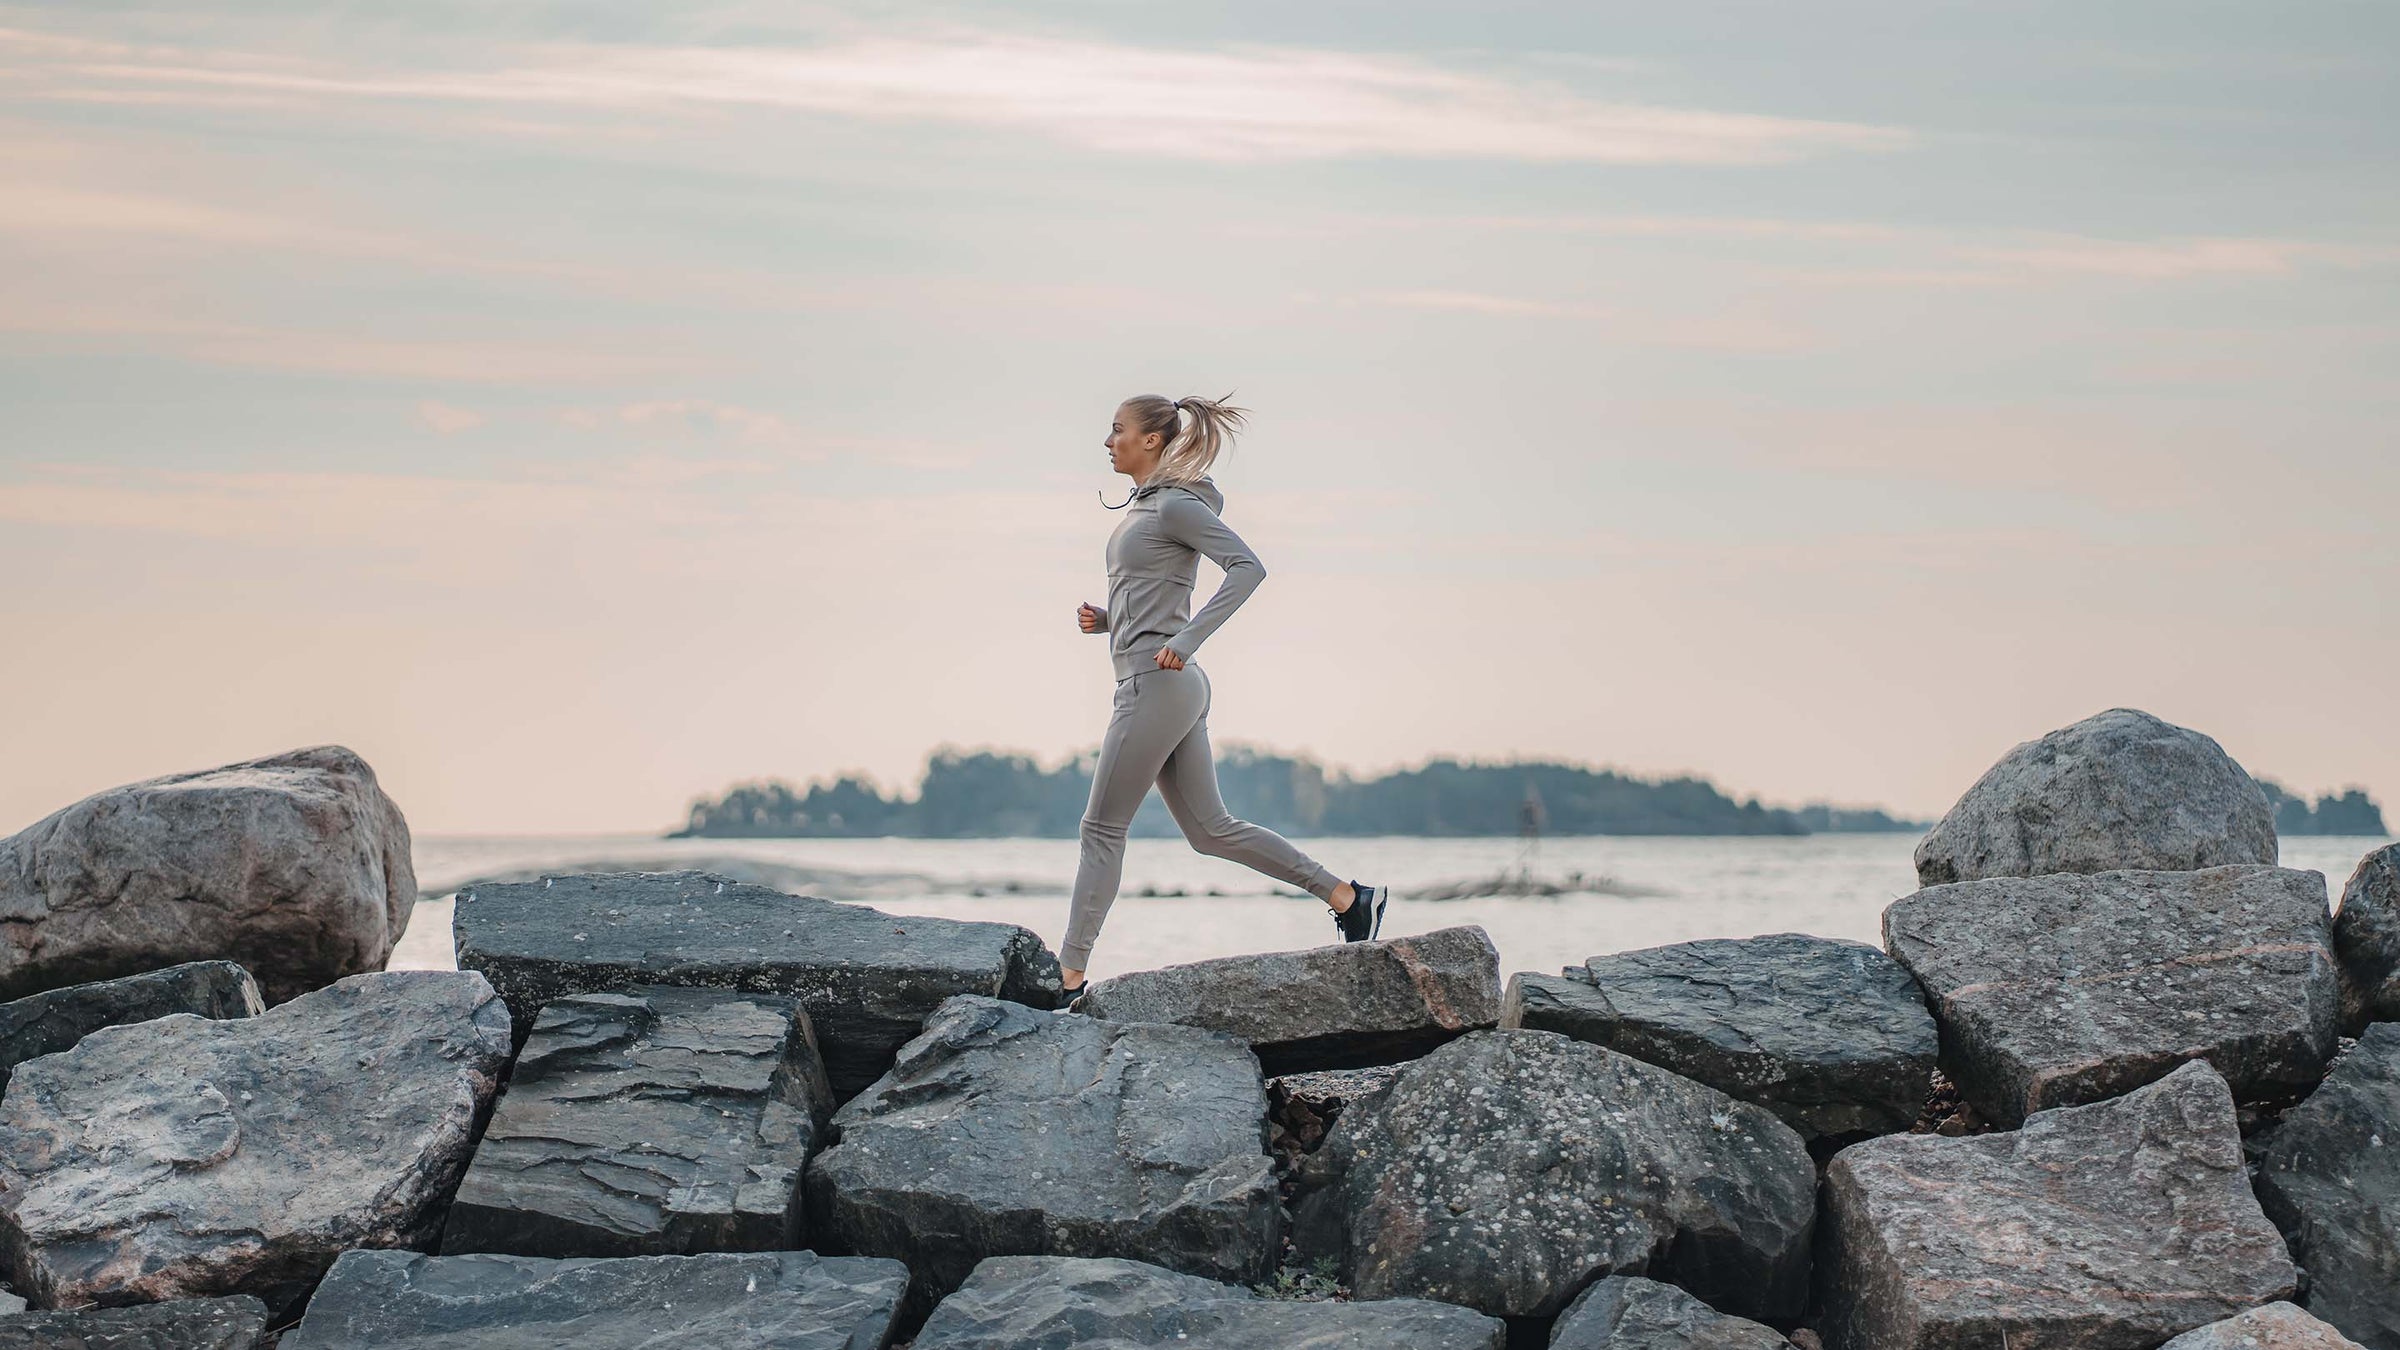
(1507, 1169)
(1627, 1312)
(387, 1300)
(1026, 1302)
(296, 866)
(2059, 990)
(2111, 1226)
(653, 1122)
(186, 1324)
(11, 1304)
(2117, 791)
(49, 1022)
(868, 979)
(2366, 938)
(1346, 1006)
(186, 1158)
(2330, 1179)
(1003, 1131)
(1832, 1037)
(2277, 1326)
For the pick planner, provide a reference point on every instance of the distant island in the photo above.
(2353, 812)
(985, 794)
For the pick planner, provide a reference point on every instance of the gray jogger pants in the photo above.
(1159, 733)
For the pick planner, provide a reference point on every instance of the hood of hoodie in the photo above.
(1203, 485)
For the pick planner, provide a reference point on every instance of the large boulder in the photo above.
(1627, 1312)
(1346, 1006)
(2059, 990)
(652, 1122)
(1831, 1036)
(392, 1300)
(2366, 938)
(1018, 1302)
(238, 1323)
(2117, 791)
(187, 1158)
(296, 866)
(2330, 1179)
(2277, 1326)
(868, 979)
(46, 1023)
(1507, 1169)
(2111, 1226)
(1002, 1131)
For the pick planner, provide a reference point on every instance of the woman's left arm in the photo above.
(1188, 521)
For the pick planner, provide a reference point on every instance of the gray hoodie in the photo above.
(1153, 561)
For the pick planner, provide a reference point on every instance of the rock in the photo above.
(2059, 990)
(1507, 1169)
(186, 1324)
(2330, 1179)
(868, 979)
(654, 1122)
(11, 1304)
(186, 1158)
(2114, 792)
(2111, 1226)
(47, 1023)
(296, 866)
(2277, 1326)
(1016, 1302)
(723, 1301)
(1627, 1312)
(2366, 938)
(1346, 1006)
(1832, 1037)
(1002, 1131)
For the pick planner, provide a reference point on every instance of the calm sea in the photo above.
(1620, 893)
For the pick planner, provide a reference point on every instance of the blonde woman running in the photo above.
(1159, 729)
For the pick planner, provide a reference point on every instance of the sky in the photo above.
(576, 408)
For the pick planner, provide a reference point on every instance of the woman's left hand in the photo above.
(1168, 660)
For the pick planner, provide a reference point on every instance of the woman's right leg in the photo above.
(1153, 710)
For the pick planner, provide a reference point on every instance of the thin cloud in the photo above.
(448, 420)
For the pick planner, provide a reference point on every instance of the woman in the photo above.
(1159, 729)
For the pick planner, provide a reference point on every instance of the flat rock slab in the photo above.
(2116, 791)
(658, 1121)
(1833, 1037)
(296, 866)
(2330, 1179)
(1506, 1170)
(1003, 1131)
(2366, 939)
(1627, 1312)
(187, 1158)
(49, 1022)
(2277, 1326)
(2107, 1227)
(2059, 990)
(723, 1301)
(868, 979)
(1018, 1302)
(1341, 1007)
(186, 1324)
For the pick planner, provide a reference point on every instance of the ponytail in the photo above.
(1197, 430)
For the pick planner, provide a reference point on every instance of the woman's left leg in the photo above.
(1188, 782)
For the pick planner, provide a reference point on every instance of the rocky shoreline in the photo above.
(2114, 1079)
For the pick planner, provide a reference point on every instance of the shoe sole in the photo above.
(1383, 900)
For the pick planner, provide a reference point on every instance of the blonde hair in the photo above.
(1190, 450)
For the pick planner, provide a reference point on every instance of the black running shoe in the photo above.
(1364, 919)
(1067, 997)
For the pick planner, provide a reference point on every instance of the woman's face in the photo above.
(1130, 451)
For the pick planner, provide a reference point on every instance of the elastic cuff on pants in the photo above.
(1075, 960)
(1323, 885)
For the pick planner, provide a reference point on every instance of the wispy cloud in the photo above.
(1713, 332)
(448, 420)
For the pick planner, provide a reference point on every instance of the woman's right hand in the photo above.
(1091, 618)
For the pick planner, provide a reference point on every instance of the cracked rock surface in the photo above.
(1346, 1006)
(2366, 937)
(2105, 1227)
(1007, 1131)
(2331, 1181)
(2277, 1326)
(868, 979)
(391, 1300)
(187, 1158)
(1831, 1036)
(238, 1323)
(296, 866)
(49, 1022)
(649, 1122)
(1628, 1312)
(2059, 990)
